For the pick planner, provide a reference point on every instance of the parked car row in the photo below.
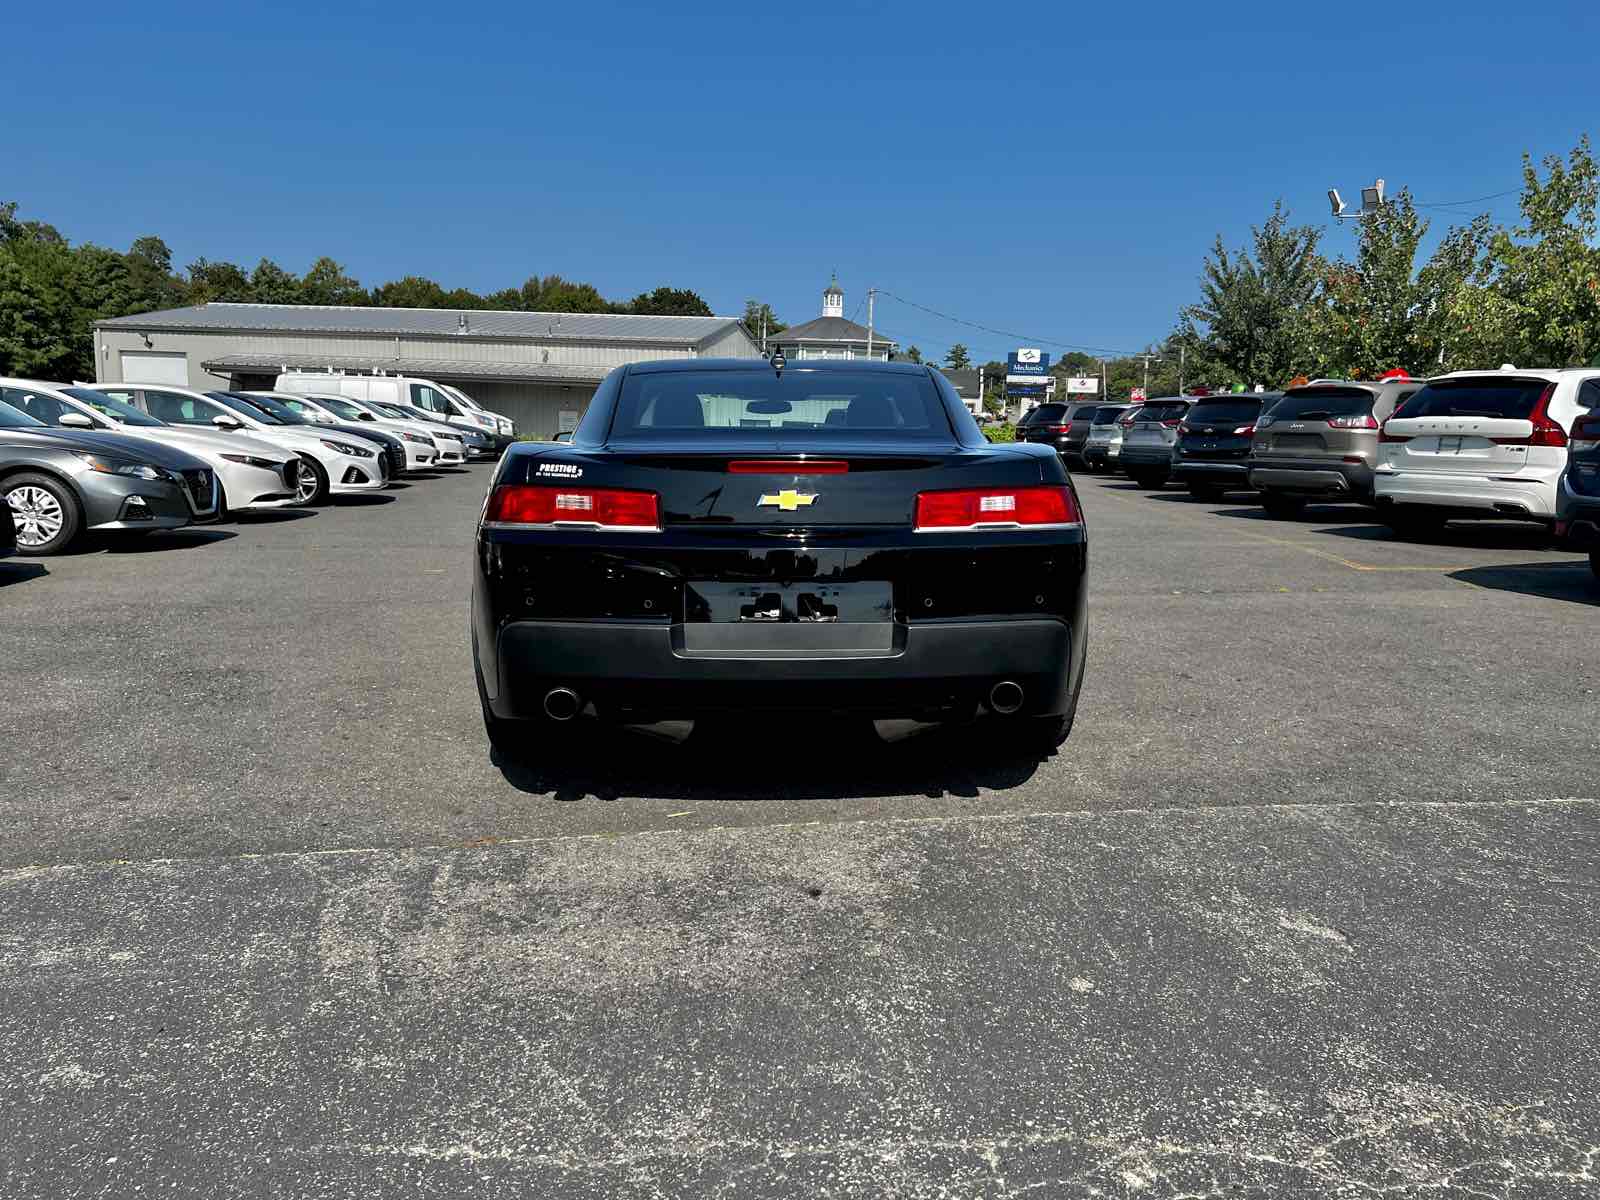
(133, 458)
(1511, 444)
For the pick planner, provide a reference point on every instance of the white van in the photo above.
(422, 394)
(465, 401)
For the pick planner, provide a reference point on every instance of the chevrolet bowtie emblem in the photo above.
(788, 500)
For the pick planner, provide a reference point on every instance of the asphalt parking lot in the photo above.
(1306, 905)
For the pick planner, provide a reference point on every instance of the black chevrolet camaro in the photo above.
(737, 536)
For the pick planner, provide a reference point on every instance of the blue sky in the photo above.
(1041, 168)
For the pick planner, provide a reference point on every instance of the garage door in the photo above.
(139, 367)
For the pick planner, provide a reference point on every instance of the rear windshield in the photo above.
(1225, 412)
(1163, 410)
(692, 404)
(1044, 413)
(1323, 402)
(1509, 399)
(1084, 412)
(1108, 416)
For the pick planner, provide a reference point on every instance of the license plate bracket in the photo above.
(787, 618)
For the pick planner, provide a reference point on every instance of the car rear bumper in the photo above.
(1146, 456)
(1468, 495)
(1201, 470)
(1317, 477)
(644, 666)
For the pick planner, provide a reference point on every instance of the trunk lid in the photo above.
(1476, 427)
(772, 486)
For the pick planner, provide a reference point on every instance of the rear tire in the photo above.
(517, 742)
(1208, 492)
(45, 512)
(1148, 481)
(1282, 508)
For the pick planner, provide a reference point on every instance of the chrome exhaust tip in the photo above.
(561, 704)
(1005, 697)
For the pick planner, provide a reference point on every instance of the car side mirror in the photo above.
(564, 436)
(74, 420)
(223, 421)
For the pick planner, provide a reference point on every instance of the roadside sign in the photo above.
(1081, 384)
(1136, 395)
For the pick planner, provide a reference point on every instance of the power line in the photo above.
(1009, 333)
(1473, 200)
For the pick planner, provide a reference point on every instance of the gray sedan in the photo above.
(59, 484)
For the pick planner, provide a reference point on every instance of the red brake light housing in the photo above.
(1245, 429)
(1173, 423)
(621, 509)
(1545, 431)
(1364, 421)
(1386, 438)
(996, 508)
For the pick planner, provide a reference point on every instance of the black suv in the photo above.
(1578, 494)
(1213, 448)
(1051, 423)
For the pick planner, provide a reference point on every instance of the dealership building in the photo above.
(539, 369)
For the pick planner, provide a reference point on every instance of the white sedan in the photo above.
(425, 446)
(251, 474)
(332, 463)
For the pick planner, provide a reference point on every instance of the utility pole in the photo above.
(1103, 394)
(1183, 350)
(872, 295)
(763, 331)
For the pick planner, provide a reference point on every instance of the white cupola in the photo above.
(833, 299)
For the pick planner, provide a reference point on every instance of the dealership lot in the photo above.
(1306, 900)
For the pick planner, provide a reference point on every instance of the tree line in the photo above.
(1277, 309)
(52, 292)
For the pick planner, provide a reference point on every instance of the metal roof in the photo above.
(445, 369)
(428, 322)
(829, 329)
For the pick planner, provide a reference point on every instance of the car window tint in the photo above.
(1589, 394)
(1335, 401)
(816, 403)
(1108, 416)
(11, 415)
(42, 408)
(178, 410)
(1158, 411)
(1044, 414)
(1224, 412)
(1508, 399)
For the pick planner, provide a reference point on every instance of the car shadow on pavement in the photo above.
(741, 760)
(20, 571)
(1574, 582)
(270, 516)
(166, 539)
(359, 501)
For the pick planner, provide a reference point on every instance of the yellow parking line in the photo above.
(1301, 546)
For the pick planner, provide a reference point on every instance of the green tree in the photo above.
(1542, 305)
(1250, 311)
(956, 358)
(669, 302)
(411, 292)
(755, 313)
(326, 283)
(219, 281)
(271, 284)
(913, 354)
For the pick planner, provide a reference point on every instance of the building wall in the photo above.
(536, 408)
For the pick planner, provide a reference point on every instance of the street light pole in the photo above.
(872, 295)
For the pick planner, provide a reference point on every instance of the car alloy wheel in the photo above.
(39, 516)
(305, 481)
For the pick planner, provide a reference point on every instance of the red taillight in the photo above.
(977, 507)
(1172, 424)
(603, 508)
(1386, 437)
(1245, 429)
(1545, 431)
(782, 466)
(1364, 421)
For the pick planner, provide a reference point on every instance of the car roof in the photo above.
(659, 365)
(1507, 371)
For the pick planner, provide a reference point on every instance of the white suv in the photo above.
(1478, 444)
